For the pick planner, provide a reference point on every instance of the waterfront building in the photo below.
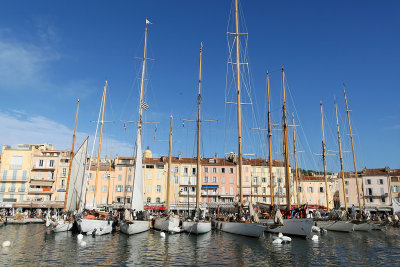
(394, 185)
(155, 179)
(62, 176)
(351, 190)
(376, 189)
(312, 190)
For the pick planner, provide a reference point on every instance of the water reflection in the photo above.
(36, 245)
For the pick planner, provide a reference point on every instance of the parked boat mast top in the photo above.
(341, 159)
(295, 163)
(324, 157)
(269, 145)
(286, 144)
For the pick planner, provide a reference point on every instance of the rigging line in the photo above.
(299, 120)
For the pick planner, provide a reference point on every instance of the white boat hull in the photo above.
(365, 227)
(88, 225)
(101, 231)
(61, 226)
(338, 226)
(168, 224)
(134, 227)
(196, 227)
(295, 227)
(241, 228)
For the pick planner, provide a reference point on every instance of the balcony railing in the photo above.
(185, 193)
(41, 190)
(13, 179)
(204, 193)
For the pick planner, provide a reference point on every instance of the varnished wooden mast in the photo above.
(286, 144)
(100, 139)
(271, 180)
(354, 155)
(295, 162)
(71, 156)
(324, 157)
(239, 108)
(169, 163)
(198, 176)
(341, 159)
(142, 80)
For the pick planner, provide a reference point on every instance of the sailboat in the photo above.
(168, 222)
(241, 228)
(128, 225)
(297, 227)
(340, 224)
(197, 226)
(91, 224)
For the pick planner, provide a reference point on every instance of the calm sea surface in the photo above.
(34, 245)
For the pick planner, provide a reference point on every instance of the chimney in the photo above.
(179, 156)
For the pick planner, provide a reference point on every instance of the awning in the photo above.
(384, 209)
(154, 208)
(209, 186)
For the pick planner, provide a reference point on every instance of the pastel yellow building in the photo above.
(312, 190)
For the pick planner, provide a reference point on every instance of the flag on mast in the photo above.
(148, 21)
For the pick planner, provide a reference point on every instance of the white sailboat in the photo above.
(197, 226)
(240, 228)
(90, 224)
(129, 226)
(169, 222)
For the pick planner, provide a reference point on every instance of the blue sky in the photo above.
(52, 53)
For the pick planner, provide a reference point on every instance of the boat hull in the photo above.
(338, 226)
(168, 224)
(293, 227)
(365, 227)
(101, 231)
(62, 226)
(196, 227)
(241, 228)
(134, 227)
(88, 225)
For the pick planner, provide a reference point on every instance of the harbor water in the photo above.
(34, 245)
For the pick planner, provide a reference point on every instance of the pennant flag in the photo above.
(124, 126)
(148, 22)
(144, 105)
(183, 124)
(155, 132)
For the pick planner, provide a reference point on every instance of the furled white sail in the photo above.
(396, 206)
(77, 181)
(137, 198)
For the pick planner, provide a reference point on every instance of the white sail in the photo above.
(395, 206)
(137, 198)
(77, 181)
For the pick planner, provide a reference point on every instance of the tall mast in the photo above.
(198, 179)
(271, 181)
(239, 108)
(71, 156)
(169, 162)
(286, 144)
(99, 150)
(324, 157)
(109, 178)
(341, 158)
(295, 163)
(354, 155)
(142, 79)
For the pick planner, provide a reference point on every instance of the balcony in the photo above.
(44, 167)
(204, 193)
(13, 180)
(185, 193)
(41, 191)
(41, 181)
(377, 195)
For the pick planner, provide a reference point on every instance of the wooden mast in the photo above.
(285, 144)
(324, 157)
(295, 163)
(198, 179)
(142, 80)
(99, 150)
(354, 155)
(271, 181)
(341, 158)
(71, 156)
(239, 113)
(109, 178)
(169, 163)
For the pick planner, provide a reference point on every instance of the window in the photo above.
(148, 188)
(51, 163)
(380, 181)
(159, 175)
(129, 178)
(158, 188)
(255, 180)
(91, 188)
(150, 166)
(246, 169)
(120, 168)
(264, 190)
(4, 174)
(176, 169)
(347, 191)
(64, 172)
(149, 176)
(118, 199)
(206, 170)
(39, 175)
(160, 166)
(382, 191)
(255, 190)
(231, 170)
(21, 198)
(371, 200)
(369, 191)
(231, 190)
(223, 180)
(310, 189)
(63, 184)
(90, 175)
(346, 182)
(300, 189)
(222, 170)
(247, 178)
(128, 200)
(185, 170)
(383, 200)
(214, 180)
(128, 188)
(231, 180)
(16, 162)
(119, 188)
(205, 179)
(130, 169)
(321, 189)
(105, 176)
(176, 178)
(263, 180)
(193, 171)
(264, 199)
(347, 199)
(368, 181)
(158, 200)
(148, 200)
(41, 163)
(14, 177)
(395, 179)
(214, 170)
